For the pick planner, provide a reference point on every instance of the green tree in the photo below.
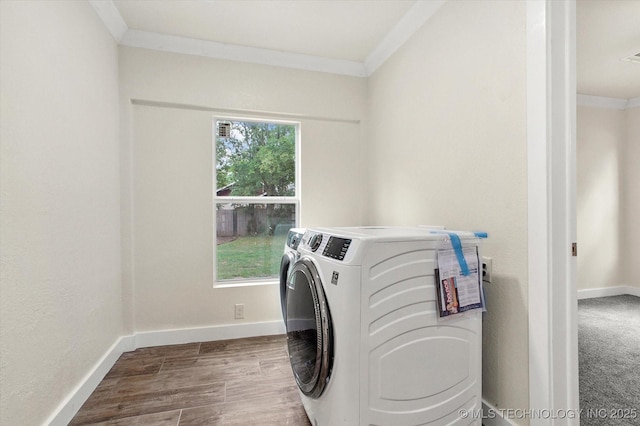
(222, 166)
(258, 158)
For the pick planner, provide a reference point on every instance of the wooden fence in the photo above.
(242, 222)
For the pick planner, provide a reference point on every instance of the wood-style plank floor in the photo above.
(230, 382)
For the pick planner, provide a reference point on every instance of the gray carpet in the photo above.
(609, 354)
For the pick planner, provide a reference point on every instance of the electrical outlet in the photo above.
(487, 269)
(239, 311)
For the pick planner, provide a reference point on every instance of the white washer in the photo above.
(291, 254)
(365, 341)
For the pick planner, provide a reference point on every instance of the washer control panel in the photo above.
(336, 248)
(315, 241)
(293, 239)
(326, 245)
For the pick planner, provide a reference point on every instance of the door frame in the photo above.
(551, 153)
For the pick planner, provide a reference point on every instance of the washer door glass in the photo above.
(309, 336)
(285, 264)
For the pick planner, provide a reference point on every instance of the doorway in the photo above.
(608, 312)
(551, 101)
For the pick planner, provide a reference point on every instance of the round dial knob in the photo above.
(315, 242)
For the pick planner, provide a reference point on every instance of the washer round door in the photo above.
(285, 266)
(309, 330)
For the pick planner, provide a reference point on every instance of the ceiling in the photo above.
(345, 29)
(606, 32)
(353, 37)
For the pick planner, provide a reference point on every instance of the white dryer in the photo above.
(365, 341)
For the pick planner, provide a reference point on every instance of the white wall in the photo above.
(608, 198)
(167, 170)
(60, 309)
(601, 136)
(447, 146)
(631, 198)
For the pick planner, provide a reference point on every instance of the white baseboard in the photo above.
(590, 293)
(70, 406)
(494, 417)
(205, 334)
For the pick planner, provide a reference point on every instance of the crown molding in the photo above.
(633, 103)
(606, 103)
(110, 15)
(415, 17)
(232, 52)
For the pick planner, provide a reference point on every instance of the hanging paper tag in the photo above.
(458, 277)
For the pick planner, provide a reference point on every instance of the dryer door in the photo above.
(309, 330)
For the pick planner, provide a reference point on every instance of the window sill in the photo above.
(245, 283)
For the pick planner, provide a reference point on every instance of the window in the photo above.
(256, 200)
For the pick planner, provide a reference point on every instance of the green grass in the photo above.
(250, 257)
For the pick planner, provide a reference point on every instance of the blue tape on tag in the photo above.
(481, 234)
(457, 248)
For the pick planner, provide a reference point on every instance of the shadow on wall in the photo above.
(504, 299)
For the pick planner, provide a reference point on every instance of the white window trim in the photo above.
(255, 200)
(252, 200)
